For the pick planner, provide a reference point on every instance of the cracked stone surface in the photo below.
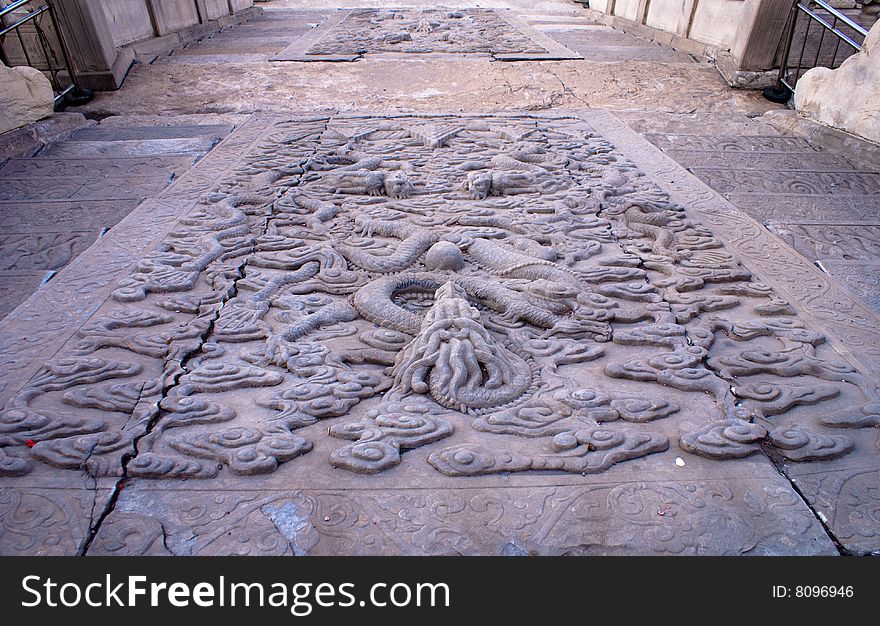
(386, 330)
(347, 35)
(233, 71)
(446, 334)
(56, 203)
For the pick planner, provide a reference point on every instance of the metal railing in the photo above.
(41, 45)
(817, 35)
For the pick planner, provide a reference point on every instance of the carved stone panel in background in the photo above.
(348, 34)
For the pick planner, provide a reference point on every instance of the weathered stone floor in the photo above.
(822, 202)
(440, 305)
(231, 72)
(56, 204)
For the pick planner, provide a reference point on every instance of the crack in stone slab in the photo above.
(182, 369)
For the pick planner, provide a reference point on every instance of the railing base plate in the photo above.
(777, 94)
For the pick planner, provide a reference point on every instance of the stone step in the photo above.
(788, 181)
(127, 148)
(560, 20)
(16, 287)
(273, 16)
(816, 208)
(713, 124)
(81, 188)
(606, 45)
(274, 30)
(192, 119)
(151, 132)
(623, 54)
(538, 12)
(606, 35)
(231, 50)
(803, 161)
(43, 216)
(554, 27)
(27, 252)
(731, 143)
(247, 42)
(153, 167)
(288, 32)
(211, 57)
(831, 242)
(860, 278)
(280, 25)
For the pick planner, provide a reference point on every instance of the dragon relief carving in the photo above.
(457, 362)
(517, 286)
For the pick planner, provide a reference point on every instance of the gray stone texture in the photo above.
(347, 35)
(25, 97)
(57, 200)
(296, 355)
(416, 332)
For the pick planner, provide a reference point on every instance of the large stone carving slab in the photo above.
(348, 34)
(438, 335)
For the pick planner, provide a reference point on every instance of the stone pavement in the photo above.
(823, 203)
(56, 203)
(522, 325)
(232, 72)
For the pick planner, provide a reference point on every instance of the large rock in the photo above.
(848, 97)
(25, 96)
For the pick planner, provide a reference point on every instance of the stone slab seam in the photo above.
(52, 302)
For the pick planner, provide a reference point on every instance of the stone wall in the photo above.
(129, 20)
(136, 20)
(106, 36)
(846, 98)
(748, 31)
(715, 22)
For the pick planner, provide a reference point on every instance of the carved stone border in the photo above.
(298, 49)
(555, 50)
(742, 516)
